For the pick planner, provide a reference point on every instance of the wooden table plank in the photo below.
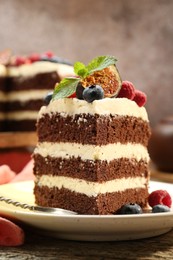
(42, 247)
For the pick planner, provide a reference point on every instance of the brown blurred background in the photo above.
(138, 33)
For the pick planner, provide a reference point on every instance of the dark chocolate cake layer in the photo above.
(20, 125)
(30, 105)
(96, 171)
(2, 83)
(38, 81)
(2, 125)
(93, 129)
(2, 106)
(108, 203)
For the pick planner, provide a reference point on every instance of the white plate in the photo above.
(86, 227)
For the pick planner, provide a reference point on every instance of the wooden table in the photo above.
(41, 247)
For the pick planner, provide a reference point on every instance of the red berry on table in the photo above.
(140, 98)
(127, 90)
(10, 233)
(161, 197)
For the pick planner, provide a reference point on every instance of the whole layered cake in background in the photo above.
(24, 81)
(91, 155)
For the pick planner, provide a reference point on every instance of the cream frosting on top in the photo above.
(106, 106)
(27, 70)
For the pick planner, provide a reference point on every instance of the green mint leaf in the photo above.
(80, 69)
(65, 88)
(100, 63)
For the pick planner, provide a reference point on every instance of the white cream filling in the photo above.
(106, 106)
(93, 152)
(91, 188)
(25, 95)
(22, 115)
(28, 70)
(3, 71)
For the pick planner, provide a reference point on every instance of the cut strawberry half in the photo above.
(10, 233)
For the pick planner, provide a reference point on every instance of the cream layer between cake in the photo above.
(91, 188)
(93, 152)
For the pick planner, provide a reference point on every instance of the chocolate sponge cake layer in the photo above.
(39, 81)
(108, 203)
(96, 171)
(20, 125)
(2, 106)
(2, 83)
(93, 129)
(32, 105)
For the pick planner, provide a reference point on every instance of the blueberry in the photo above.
(131, 208)
(93, 92)
(79, 91)
(160, 208)
(48, 98)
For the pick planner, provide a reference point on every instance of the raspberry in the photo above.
(161, 197)
(127, 90)
(34, 57)
(140, 98)
(49, 54)
(73, 95)
(19, 60)
(27, 61)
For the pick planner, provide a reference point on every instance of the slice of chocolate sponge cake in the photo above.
(91, 155)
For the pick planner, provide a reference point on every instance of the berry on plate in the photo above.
(160, 208)
(130, 208)
(160, 197)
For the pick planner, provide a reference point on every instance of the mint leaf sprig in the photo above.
(67, 86)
